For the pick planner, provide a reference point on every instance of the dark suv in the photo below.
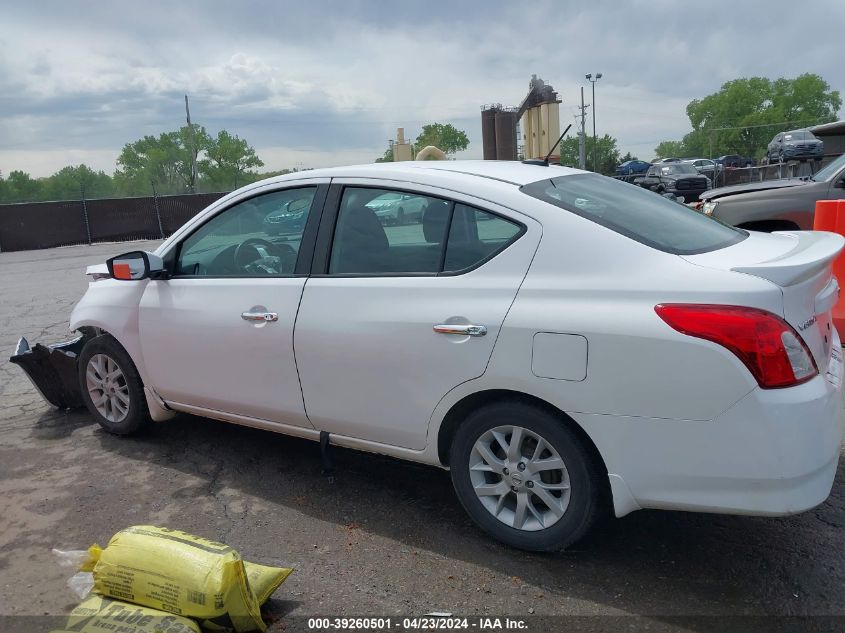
(794, 145)
(735, 160)
(679, 179)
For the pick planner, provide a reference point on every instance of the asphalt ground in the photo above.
(383, 537)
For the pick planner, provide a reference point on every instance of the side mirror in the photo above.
(136, 265)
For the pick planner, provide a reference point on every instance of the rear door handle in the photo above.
(462, 330)
(260, 316)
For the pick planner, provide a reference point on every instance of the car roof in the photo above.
(513, 172)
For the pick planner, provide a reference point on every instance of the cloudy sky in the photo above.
(321, 83)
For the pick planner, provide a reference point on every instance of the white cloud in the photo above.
(325, 83)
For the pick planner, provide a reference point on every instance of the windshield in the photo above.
(636, 213)
(677, 169)
(829, 172)
(799, 135)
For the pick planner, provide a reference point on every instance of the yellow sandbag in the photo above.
(179, 573)
(264, 580)
(97, 614)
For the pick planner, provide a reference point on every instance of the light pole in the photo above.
(595, 140)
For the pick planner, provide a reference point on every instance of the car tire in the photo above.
(111, 387)
(518, 504)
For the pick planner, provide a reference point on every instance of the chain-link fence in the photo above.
(35, 225)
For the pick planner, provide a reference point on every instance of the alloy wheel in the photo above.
(519, 478)
(107, 387)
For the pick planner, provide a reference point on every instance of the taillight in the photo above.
(771, 349)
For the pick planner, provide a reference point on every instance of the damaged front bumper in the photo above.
(53, 369)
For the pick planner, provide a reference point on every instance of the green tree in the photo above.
(228, 162)
(388, 156)
(164, 162)
(67, 184)
(607, 154)
(744, 115)
(672, 149)
(443, 136)
(21, 187)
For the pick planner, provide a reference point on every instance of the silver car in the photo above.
(394, 208)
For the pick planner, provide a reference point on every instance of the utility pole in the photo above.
(193, 147)
(595, 140)
(582, 134)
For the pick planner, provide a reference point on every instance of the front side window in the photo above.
(258, 237)
(636, 213)
(382, 232)
(830, 170)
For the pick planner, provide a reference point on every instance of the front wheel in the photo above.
(111, 387)
(525, 477)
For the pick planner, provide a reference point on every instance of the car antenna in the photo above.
(545, 161)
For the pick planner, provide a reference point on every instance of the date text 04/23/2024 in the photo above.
(424, 623)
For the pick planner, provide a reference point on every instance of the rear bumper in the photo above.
(775, 452)
(52, 370)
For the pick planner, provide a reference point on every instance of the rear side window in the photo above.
(384, 232)
(637, 213)
(476, 236)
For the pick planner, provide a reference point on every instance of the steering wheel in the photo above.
(242, 256)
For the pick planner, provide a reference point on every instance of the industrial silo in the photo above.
(505, 135)
(488, 133)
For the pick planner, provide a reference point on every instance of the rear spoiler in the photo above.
(813, 251)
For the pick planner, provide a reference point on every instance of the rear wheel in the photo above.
(111, 387)
(525, 477)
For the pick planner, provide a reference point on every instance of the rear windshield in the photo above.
(637, 213)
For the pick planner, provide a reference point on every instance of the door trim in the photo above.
(245, 420)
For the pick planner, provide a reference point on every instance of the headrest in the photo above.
(435, 217)
(360, 228)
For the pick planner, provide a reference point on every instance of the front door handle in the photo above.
(260, 316)
(463, 330)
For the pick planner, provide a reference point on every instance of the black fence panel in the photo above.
(29, 226)
(127, 219)
(176, 210)
(37, 225)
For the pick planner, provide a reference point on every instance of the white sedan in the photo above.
(561, 341)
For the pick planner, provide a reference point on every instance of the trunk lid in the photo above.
(800, 264)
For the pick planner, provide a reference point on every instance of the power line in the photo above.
(748, 127)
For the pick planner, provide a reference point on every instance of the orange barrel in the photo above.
(826, 218)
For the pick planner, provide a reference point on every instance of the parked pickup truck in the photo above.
(679, 179)
(776, 205)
